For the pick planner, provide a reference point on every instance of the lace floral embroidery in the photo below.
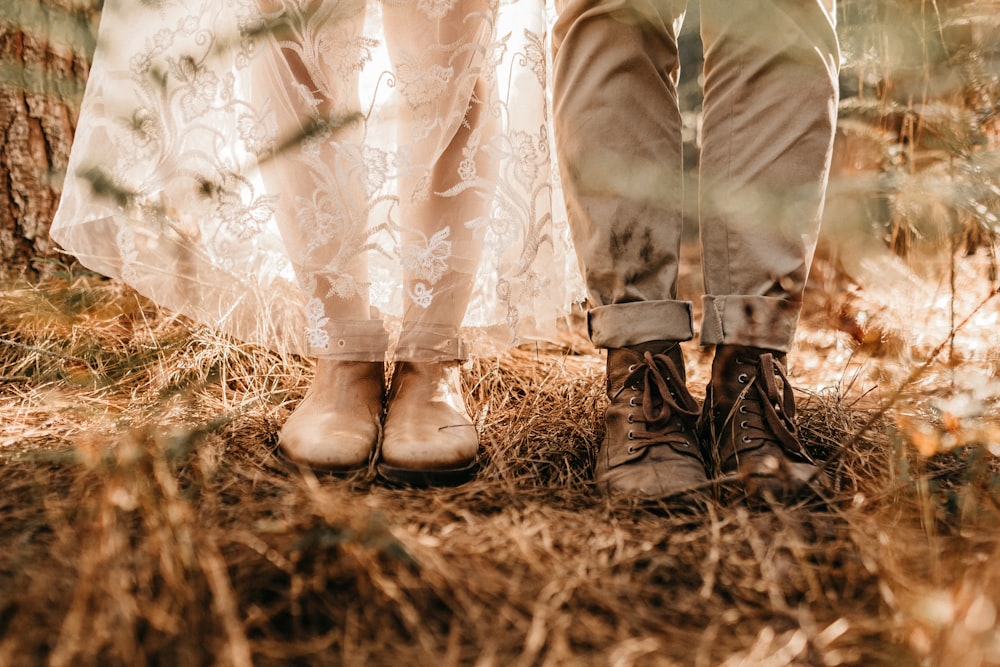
(266, 172)
(316, 320)
(422, 85)
(534, 55)
(199, 89)
(258, 129)
(244, 220)
(524, 157)
(421, 295)
(428, 260)
(435, 9)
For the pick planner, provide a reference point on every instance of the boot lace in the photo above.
(665, 414)
(766, 411)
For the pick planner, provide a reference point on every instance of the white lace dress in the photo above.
(332, 178)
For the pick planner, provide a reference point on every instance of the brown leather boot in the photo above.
(650, 446)
(749, 419)
(429, 438)
(336, 426)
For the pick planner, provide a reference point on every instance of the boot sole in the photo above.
(766, 490)
(291, 465)
(398, 476)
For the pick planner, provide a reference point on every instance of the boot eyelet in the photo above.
(629, 419)
(742, 378)
(632, 403)
(743, 409)
(630, 450)
(633, 387)
(631, 435)
(746, 440)
(632, 367)
(743, 424)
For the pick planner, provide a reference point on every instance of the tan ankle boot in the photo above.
(650, 445)
(429, 437)
(336, 426)
(750, 420)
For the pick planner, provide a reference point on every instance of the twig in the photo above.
(914, 375)
(43, 351)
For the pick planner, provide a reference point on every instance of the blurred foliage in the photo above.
(919, 122)
(72, 24)
(66, 27)
(920, 85)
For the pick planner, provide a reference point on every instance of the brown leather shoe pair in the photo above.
(426, 436)
(659, 444)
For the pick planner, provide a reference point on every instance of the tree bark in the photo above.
(45, 51)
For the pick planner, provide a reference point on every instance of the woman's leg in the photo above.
(318, 180)
(447, 120)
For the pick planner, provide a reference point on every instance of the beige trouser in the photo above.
(769, 113)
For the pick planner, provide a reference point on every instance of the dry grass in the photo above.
(145, 520)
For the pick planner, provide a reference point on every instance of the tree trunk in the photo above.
(45, 51)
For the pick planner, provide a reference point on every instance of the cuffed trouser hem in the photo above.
(430, 343)
(349, 340)
(624, 324)
(755, 321)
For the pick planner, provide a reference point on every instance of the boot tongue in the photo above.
(778, 406)
(659, 373)
(775, 385)
(766, 374)
(665, 348)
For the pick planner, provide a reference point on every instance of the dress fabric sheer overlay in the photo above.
(331, 178)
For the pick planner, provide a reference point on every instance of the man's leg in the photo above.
(618, 139)
(769, 116)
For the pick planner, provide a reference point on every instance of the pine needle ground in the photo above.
(145, 519)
